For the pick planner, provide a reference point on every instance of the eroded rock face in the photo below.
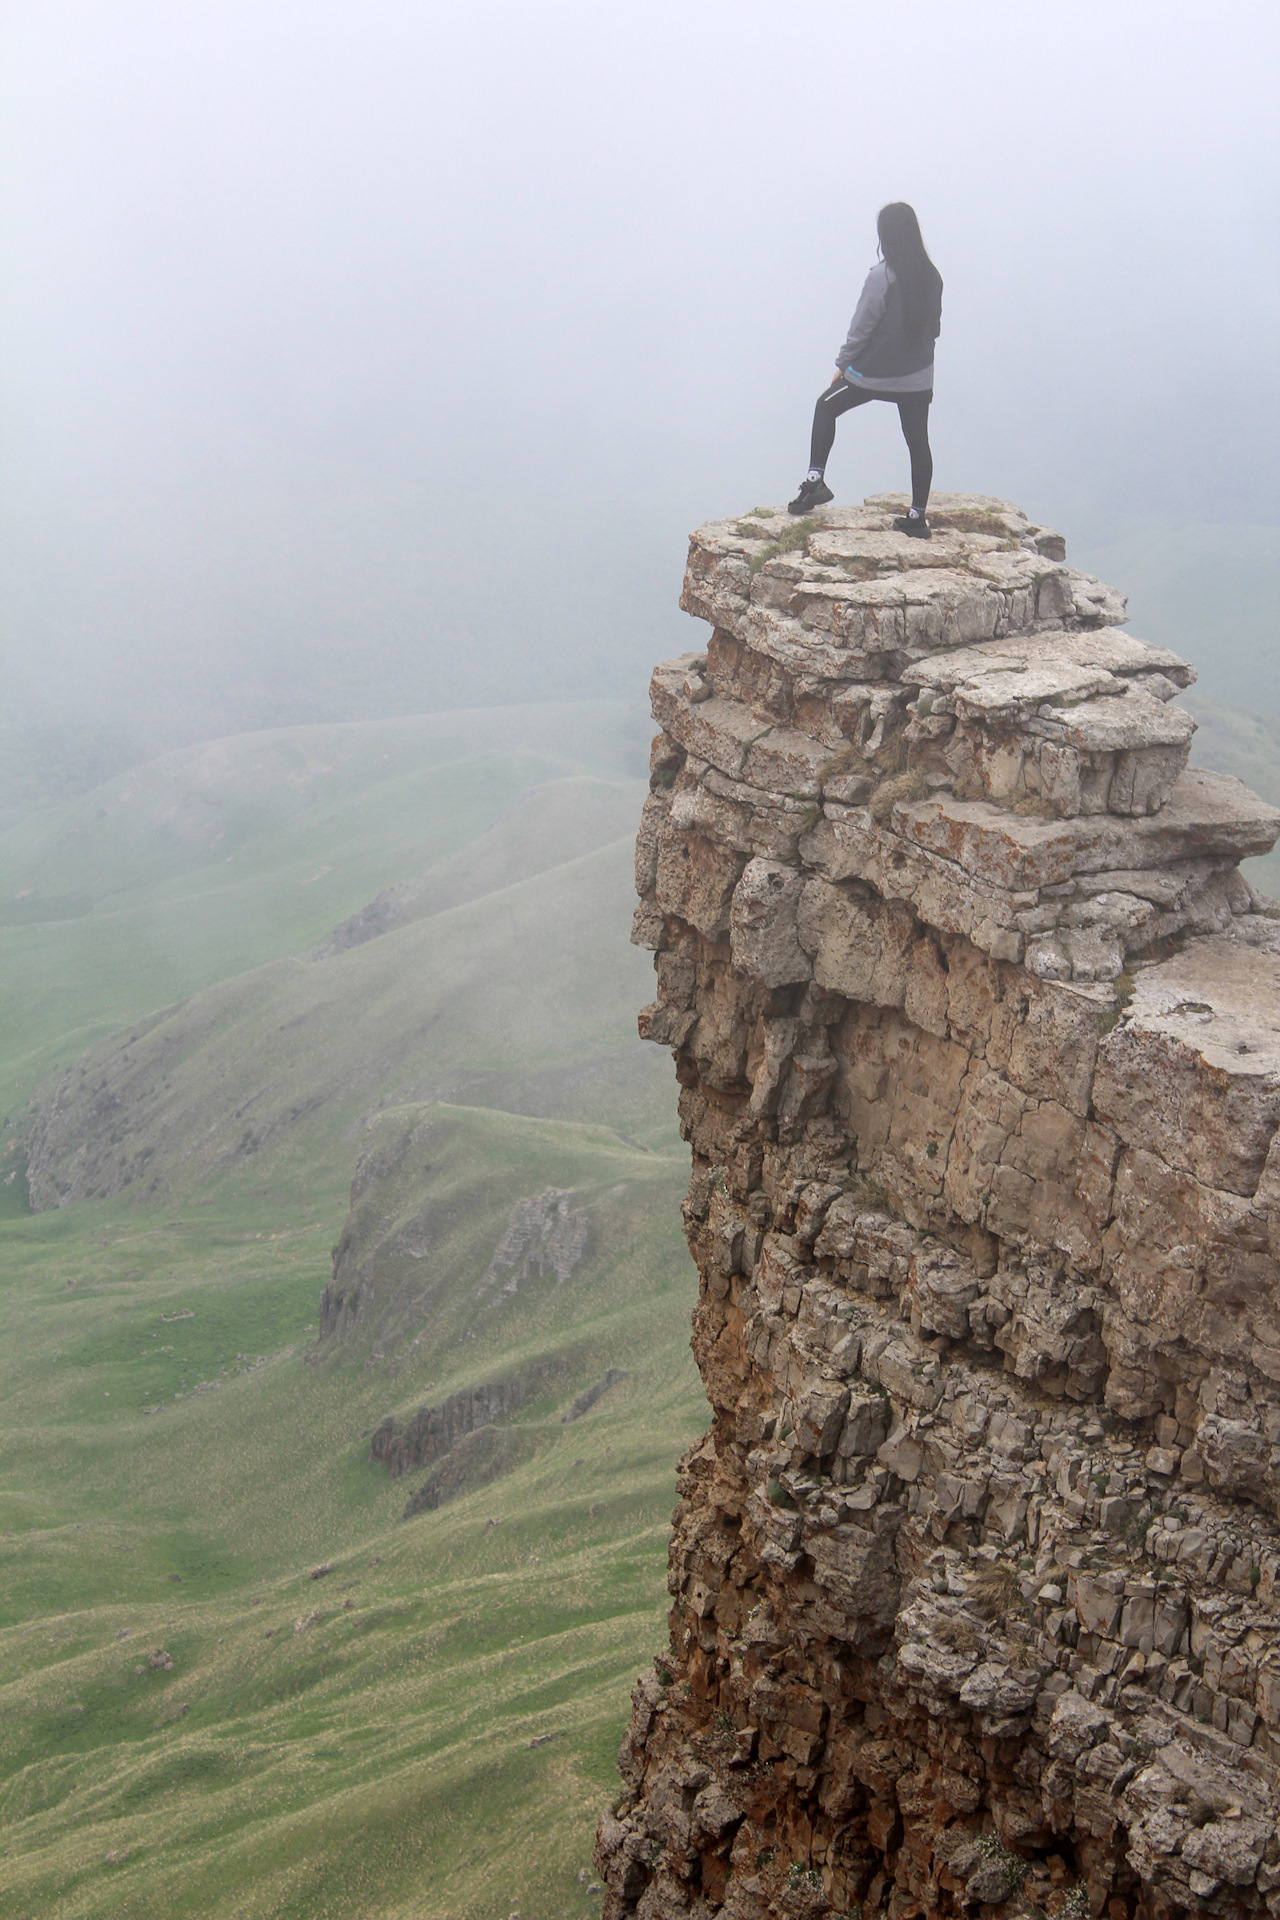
(545, 1234)
(977, 1029)
(434, 1431)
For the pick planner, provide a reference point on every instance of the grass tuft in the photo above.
(796, 537)
(993, 1591)
(907, 786)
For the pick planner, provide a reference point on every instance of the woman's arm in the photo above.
(867, 315)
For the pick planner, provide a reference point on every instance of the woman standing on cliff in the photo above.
(888, 355)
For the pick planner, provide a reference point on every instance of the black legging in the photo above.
(913, 411)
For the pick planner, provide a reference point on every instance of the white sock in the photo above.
(814, 473)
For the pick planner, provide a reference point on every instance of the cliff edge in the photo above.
(976, 1575)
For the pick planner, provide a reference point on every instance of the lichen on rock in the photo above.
(977, 1029)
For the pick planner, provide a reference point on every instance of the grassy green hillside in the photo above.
(217, 858)
(267, 1077)
(381, 1760)
(177, 1452)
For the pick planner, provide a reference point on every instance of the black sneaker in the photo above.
(813, 493)
(915, 525)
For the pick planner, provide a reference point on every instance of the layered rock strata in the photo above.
(434, 1431)
(976, 1575)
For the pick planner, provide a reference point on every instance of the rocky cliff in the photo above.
(976, 1575)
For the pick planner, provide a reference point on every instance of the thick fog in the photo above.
(365, 358)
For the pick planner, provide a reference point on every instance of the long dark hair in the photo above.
(902, 245)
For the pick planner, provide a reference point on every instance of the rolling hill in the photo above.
(268, 1076)
(218, 858)
(429, 1728)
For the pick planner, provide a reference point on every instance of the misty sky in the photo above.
(379, 356)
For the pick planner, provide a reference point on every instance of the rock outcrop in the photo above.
(976, 1575)
(591, 1396)
(434, 1431)
(545, 1234)
(421, 1200)
(481, 1457)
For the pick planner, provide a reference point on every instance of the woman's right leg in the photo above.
(837, 399)
(914, 415)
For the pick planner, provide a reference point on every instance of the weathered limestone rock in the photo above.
(976, 1575)
(1062, 723)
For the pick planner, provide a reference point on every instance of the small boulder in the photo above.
(1229, 1850)
(1075, 1726)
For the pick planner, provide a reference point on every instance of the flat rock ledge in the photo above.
(976, 1574)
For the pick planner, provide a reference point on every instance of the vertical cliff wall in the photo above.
(976, 1574)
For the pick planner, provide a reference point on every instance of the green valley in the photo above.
(318, 1049)
(190, 1722)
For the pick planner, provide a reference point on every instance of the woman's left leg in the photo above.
(837, 399)
(913, 411)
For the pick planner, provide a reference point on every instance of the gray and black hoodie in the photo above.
(880, 353)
